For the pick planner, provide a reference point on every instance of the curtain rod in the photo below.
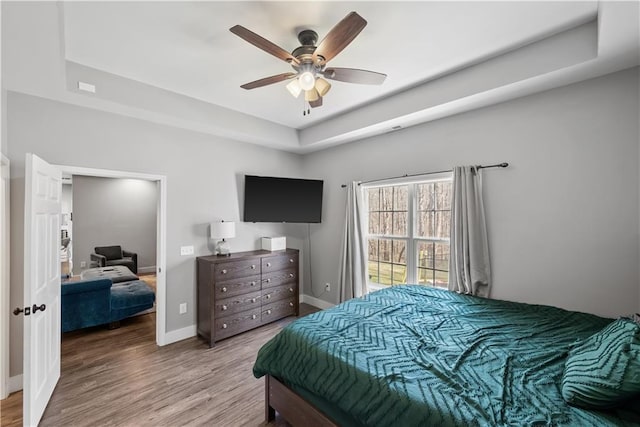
(497, 165)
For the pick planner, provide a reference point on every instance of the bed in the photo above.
(414, 355)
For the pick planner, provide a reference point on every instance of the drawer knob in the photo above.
(268, 311)
(268, 264)
(224, 307)
(253, 267)
(291, 260)
(224, 326)
(253, 300)
(267, 296)
(290, 274)
(290, 304)
(254, 316)
(253, 283)
(268, 280)
(290, 289)
(224, 271)
(224, 289)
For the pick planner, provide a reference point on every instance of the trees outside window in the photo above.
(408, 233)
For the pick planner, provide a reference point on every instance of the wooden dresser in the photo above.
(244, 291)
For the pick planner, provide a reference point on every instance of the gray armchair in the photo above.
(114, 255)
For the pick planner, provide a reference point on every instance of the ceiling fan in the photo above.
(310, 61)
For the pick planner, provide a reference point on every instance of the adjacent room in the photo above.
(320, 213)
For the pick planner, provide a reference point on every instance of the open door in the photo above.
(41, 311)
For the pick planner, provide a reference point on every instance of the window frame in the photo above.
(411, 238)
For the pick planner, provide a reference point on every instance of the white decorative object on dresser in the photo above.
(274, 243)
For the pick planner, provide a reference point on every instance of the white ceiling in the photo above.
(186, 47)
(177, 64)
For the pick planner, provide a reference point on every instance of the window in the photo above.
(408, 233)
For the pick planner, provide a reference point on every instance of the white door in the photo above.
(43, 188)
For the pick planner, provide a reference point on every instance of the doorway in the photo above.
(160, 180)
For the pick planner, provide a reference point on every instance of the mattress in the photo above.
(413, 355)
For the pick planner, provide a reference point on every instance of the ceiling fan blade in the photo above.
(316, 103)
(268, 80)
(353, 75)
(340, 36)
(264, 44)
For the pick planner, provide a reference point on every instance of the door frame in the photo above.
(161, 232)
(5, 308)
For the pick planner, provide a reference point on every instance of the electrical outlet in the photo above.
(183, 308)
(83, 264)
(186, 250)
(327, 287)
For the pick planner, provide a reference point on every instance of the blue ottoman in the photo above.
(130, 298)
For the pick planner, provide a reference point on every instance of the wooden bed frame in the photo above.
(294, 409)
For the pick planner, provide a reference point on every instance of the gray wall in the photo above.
(109, 211)
(204, 176)
(562, 219)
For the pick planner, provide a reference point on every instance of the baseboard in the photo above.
(15, 383)
(316, 302)
(147, 270)
(180, 334)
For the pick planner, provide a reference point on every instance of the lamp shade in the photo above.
(311, 95)
(322, 86)
(307, 80)
(294, 88)
(223, 230)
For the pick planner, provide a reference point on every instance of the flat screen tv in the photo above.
(271, 199)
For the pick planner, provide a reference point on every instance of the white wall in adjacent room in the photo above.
(562, 219)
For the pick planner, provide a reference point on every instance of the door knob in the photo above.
(41, 307)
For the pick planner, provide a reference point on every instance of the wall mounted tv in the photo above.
(271, 199)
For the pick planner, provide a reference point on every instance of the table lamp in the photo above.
(223, 230)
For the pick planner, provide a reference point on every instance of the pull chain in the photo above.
(307, 111)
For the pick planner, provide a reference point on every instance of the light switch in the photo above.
(186, 250)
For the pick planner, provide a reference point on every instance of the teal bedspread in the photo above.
(413, 355)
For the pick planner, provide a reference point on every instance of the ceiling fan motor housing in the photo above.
(304, 53)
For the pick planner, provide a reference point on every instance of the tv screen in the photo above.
(270, 199)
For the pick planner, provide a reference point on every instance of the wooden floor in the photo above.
(121, 378)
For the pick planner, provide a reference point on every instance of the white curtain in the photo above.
(353, 258)
(469, 267)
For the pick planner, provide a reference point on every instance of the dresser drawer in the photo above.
(278, 278)
(237, 287)
(277, 293)
(228, 306)
(279, 262)
(239, 322)
(278, 310)
(232, 270)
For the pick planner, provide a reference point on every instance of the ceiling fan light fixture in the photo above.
(307, 80)
(294, 88)
(322, 86)
(311, 95)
